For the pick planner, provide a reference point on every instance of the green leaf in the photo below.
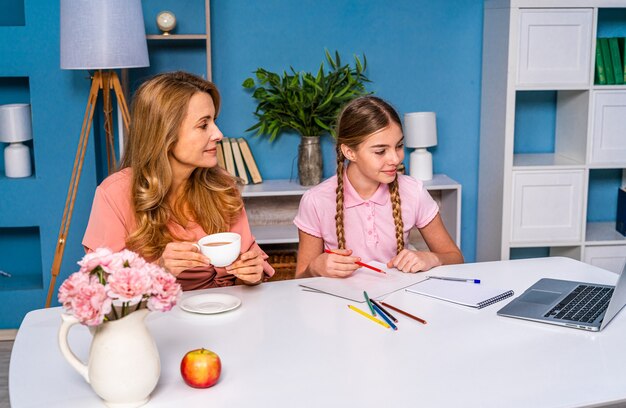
(321, 124)
(359, 67)
(251, 128)
(311, 82)
(248, 83)
(330, 60)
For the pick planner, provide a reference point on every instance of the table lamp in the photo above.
(15, 128)
(98, 35)
(420, 132)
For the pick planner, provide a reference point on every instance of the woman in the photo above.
(170, 192)
(367, 210)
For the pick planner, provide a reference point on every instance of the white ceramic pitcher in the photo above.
(124, 364)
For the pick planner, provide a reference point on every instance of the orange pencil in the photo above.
(328, 251)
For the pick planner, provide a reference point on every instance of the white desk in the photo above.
(288, 348)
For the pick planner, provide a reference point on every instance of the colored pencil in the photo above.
(372, 318)
(369, 303)
(403, 312)
(384, 316)
(328, 251)
(385, 311)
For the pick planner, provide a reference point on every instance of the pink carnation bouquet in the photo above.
(111, 285)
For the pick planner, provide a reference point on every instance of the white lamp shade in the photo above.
(15, 123)
(103, 34)
(420, 129)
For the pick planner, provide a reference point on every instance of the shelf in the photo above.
(545, 161)
(545, 243)
(174, 37)
(275, 234)
(441, 182)
(609, 87)
(553, 87)
(270, 188)
(603, 233)
(607, 166)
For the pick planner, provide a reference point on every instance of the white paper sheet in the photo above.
(364, 279)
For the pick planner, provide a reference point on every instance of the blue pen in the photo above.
(384, 316)
(456, 279)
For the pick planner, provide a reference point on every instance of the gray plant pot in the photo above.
(310, 161)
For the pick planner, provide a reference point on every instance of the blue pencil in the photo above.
(384, 316)
(385, 311)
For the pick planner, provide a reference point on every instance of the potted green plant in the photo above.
(307, 104)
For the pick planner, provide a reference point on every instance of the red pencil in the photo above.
(328, 251)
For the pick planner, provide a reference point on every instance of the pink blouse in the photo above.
(368, 224)
(112, 220)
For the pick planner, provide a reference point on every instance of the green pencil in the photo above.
(367, 300)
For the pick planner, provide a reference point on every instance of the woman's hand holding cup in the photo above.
(221, 250)
(180, 256)
(249, 267)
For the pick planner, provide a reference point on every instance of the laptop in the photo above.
(580, 305)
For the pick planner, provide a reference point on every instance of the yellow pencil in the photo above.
(372, 318)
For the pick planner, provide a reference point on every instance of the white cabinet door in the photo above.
(547, 206)
(554, 47)
(608, 141)
(609, 257)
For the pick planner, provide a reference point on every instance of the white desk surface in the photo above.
(284, 347)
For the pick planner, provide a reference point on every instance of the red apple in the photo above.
(201, 368)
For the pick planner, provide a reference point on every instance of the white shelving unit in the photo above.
(273, 204)
(540, 200)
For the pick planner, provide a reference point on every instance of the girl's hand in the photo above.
(248, 268)
(180, 256)
(336, 265)
(414, 261)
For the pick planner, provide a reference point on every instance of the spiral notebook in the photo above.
(463, 293)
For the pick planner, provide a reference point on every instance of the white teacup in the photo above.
(222, 248)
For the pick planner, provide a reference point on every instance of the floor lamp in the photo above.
(99, 36)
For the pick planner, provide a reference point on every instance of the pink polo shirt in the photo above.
(368, 224)
(112, 220)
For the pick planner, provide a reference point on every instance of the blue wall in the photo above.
(422, 56)
(31, 208)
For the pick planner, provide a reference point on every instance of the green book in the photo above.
(606, 57)
(600, 74)
(622, 47)
(616, 59)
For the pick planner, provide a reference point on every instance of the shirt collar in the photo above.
(352, 199)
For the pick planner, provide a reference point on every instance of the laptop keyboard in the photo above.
(584, 304)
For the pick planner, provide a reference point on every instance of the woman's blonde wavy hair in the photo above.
(358, 120)
(210, 197)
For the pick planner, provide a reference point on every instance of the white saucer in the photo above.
(210, 303)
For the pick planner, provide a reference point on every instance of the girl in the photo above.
(367, 210)
(170, 192)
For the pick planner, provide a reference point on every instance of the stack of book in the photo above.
(610, 69)
(234, 155)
